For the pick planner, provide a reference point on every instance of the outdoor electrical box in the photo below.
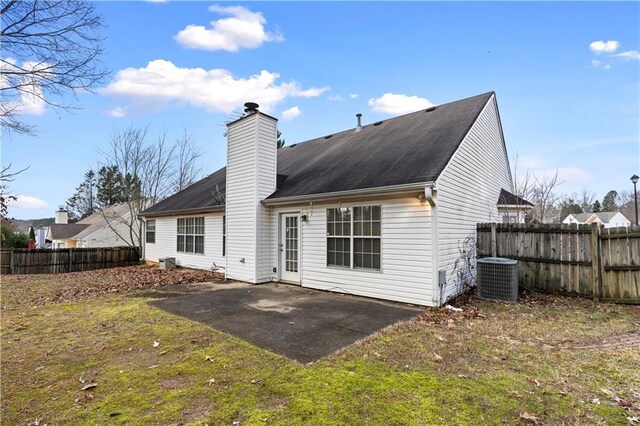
(167, 263)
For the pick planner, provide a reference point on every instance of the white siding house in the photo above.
(108, 227)
(164, 243)
(468, 189)
(382, 211)
(606, 219)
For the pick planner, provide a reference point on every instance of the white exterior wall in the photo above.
(251, 177)
(468, 191)
(106, 237)
(166, 241)
(570, 220)
(406, 273)
(617, 221)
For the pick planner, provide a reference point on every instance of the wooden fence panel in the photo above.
(585, 260)
(58, 261)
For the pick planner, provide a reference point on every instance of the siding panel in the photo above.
(468, 190)
(165, 245)
(405, 275)
(251, 177)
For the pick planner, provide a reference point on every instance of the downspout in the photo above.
(430, 194)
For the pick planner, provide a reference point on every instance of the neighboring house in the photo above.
(384, 210)
(512, 208)
(41, 237)
(606, 219)
(105, 228)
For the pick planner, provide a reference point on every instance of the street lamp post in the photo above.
(634, 179)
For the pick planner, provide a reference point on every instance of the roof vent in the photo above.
(431, 108)
(359, 126)
(377, 123)
(250, 107)
(328, 136)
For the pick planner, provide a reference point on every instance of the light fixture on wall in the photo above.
(303, 217)
(421, 198)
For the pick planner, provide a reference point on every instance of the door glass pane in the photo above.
(291, 244)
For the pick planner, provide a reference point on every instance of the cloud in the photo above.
(161, 84)
(391, 103)
(23, 94)
(117, 112)
(628, 55)
(291, 113)
(28, 202)
(336, 98)
(599, 64)
(604, 46)
(243, 29)
(353, 95)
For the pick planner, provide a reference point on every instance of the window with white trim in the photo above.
(353, 237)
(150, 234)
(190, 235)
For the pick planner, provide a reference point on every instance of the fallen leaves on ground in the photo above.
(530, 418)
(90, 284)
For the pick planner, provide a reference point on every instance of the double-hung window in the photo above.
(353, 237)
(190, 235)
(150, 234)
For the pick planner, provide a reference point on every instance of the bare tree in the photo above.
(50, 48)
(6, 176)
(585, 199)
(627, 205)
(150, 171)
(187, 155)
(540, 190)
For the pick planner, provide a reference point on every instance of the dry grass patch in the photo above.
(490, 364)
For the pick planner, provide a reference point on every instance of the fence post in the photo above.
(596, 262)
(70, 259)
(12, 264)
(494, 241)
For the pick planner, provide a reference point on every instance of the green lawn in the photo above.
(496, 364)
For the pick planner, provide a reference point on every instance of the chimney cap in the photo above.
(250, 107)
(61, 209)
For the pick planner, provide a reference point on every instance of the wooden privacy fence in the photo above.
(44, 261)
(588, 260)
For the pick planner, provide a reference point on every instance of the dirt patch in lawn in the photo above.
(19, 291)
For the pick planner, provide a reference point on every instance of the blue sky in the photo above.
(566, 76)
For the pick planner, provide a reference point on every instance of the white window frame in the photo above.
(186, 229)
(352, 237)
(147, 231)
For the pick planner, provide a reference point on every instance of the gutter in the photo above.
(381, 190)
(438, 281)
(212, 209)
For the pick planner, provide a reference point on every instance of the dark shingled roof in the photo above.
(412, 148)
(65, 231)
(506, 198)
